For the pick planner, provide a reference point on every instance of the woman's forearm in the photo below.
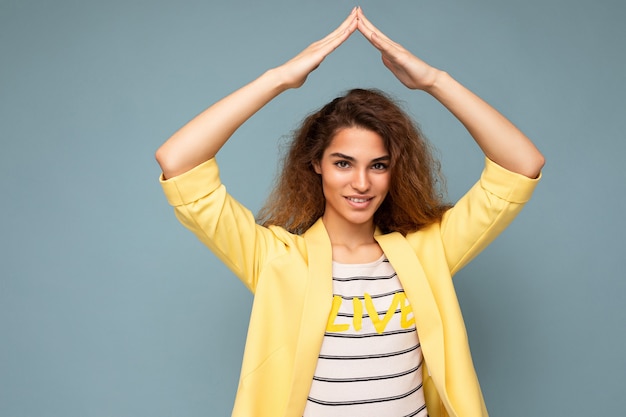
(201, 138)
(498, 138)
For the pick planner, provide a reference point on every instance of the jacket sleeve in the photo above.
(483, 213)
(229, 229)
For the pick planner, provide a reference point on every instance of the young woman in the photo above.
(354, 311)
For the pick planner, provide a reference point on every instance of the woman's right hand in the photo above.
(295, 71)
(203, 136)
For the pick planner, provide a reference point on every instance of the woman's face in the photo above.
(355, 177)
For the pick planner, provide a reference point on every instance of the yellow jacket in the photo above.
(290, 276)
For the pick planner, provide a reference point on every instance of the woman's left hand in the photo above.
(409, 69)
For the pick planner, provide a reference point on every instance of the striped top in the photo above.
(370, 363)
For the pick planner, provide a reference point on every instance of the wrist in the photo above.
(275, 80)
(282, 79)
(438, 81)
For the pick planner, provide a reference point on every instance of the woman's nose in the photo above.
(360, 181)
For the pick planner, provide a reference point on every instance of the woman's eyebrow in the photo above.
(383, 158)
(342, 156)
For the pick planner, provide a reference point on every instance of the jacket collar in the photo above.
(427, 313)
(315, 312)
(419, 292)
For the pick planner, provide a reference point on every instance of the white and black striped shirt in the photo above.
(370, 363)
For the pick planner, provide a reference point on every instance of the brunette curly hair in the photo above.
(416, 185)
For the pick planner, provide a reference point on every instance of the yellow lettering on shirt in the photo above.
(379, 324)
(405, 311)
(331, 326)
(399, 300)
(357, 320)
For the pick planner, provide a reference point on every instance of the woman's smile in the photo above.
(360, 202)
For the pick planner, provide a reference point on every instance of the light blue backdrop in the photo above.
(108, 307)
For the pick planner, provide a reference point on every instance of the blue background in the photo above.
(108, 307)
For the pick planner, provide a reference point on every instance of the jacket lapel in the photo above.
(417, 288)
(316, 309)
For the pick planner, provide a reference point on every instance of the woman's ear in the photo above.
(316, 167)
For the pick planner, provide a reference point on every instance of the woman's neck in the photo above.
(353, 243)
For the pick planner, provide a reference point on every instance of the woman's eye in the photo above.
(342, 164)
(379, 166)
